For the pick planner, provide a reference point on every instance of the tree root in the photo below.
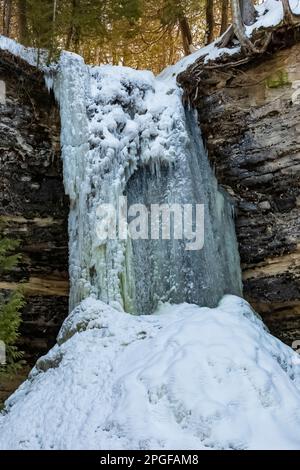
(226, 38)
(289, 17)
(238, 30)
(199, 77)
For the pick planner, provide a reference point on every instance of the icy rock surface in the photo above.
(29, 54)
(117, 122)
(165, 270)
(183, 378)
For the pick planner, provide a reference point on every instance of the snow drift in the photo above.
(183, 378)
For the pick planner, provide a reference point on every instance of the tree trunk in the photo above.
(7, 11)
(73, 37)
(185, 34)
(209, 21)
(248, 12)
(224, 16)
(54, 11)
(22, 21)
(239, 27)
(290, 18)
(237, 22)
(239, 30)
(287, 12)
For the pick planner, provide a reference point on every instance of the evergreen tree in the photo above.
(149, 34)
(10, 317)
(8, 260)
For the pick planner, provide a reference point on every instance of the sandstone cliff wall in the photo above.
(33, 207)
(250, 118)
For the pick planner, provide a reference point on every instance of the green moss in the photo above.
(278, 79)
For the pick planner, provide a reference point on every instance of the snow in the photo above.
(183, 378)
(271, 14)
(209, 53)
(28, 54)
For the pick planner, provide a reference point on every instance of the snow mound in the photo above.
(184, 378)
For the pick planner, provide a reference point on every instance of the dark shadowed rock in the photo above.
(250, 118)
(33, 207)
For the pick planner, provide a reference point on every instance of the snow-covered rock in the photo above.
(30, 55)
(269, 14)
(185, 377)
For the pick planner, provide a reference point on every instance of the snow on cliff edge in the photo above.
(28, 54)
(184, 378)
(269, 14)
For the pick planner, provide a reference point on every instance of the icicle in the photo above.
(117, 122)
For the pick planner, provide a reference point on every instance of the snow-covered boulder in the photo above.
(185, 377)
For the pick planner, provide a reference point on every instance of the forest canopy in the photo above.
(148, 34)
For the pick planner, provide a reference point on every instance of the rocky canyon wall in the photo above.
(250, 118)
(33, 207)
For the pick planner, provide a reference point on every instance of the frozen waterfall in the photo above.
(185, 377)
(126, 133)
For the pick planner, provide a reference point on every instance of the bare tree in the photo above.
(238, 25)
(248, 12)
(224, 16)
(289, 16)
(239, 29)
(22, 21)
(186, 34)
(7, 13)
(210, 23)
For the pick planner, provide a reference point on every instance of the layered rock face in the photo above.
(250, 117)
(33, 207)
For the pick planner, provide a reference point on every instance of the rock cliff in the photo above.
(250, 118)
(33, 207)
